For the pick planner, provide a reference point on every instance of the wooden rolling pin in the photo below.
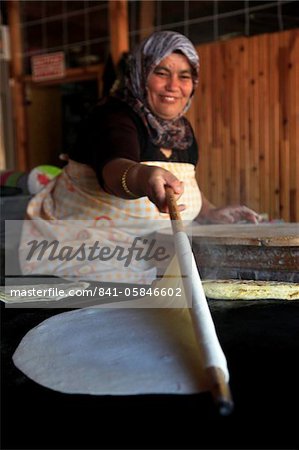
(213, 357)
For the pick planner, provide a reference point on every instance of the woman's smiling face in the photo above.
(169, 86)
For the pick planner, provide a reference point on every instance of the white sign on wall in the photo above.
(49, 66)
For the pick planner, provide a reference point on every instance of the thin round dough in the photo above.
(104, 351)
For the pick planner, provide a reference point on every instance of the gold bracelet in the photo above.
(124, 181)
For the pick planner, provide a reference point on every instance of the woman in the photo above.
(136, 142)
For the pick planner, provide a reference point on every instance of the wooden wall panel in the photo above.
(274, 200)
(263, 136)
(293, 65)
(246, 119)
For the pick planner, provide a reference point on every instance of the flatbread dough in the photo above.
(114, 351)
(140, 346)
(250, 290)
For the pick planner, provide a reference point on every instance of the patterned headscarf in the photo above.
(173, 133)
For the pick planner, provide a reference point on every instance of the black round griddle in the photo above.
(261, 342)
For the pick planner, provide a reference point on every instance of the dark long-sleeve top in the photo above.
(114, 130)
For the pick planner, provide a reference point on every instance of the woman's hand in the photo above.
(230, 214)
(153, 181)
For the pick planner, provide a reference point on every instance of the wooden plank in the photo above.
(200, 104)
(234, 123)
(244, 122)
(147, 18)
(284, 145)
(119, 28)
(225, 81)
(18, 95)
(293, 66)
(264, 148)
(205, 122)
(208, 111)
(216, 178)
(196, 118)
(295, 128)
(274, 211)
(254, 122)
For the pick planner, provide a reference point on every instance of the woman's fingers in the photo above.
(158, 179)
(251, 216)
(233, 214)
